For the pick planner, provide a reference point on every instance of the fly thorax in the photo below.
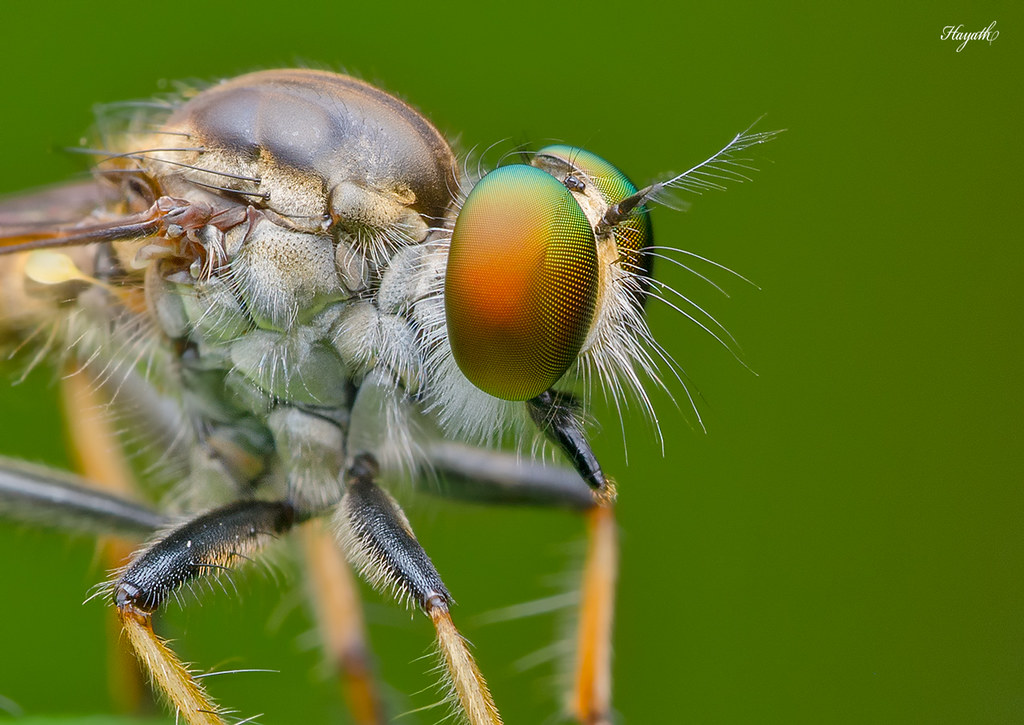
(285, 276)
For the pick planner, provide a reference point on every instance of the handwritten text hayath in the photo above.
(956, 33)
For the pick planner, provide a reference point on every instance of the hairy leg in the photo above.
(45, 496)
(494, 477)
(211, 543)
(379, 542)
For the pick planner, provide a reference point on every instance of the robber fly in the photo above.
(293, 283)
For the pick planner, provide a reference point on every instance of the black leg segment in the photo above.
(477, 474)
(211, 543)
(46, 497)
(380, 543)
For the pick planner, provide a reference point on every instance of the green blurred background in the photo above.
(843, 546)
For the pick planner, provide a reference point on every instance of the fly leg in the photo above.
(313, 451)
(208, 544)
(167, 216)
(503, 478)
(43, 496)
(380, 544)
(99, 457)
(590, 702)
(339, 614)
(556, 415)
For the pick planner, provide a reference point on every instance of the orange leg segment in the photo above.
(99, 458)
(591, 697)
(340, 617)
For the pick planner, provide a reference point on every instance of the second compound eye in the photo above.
(633, 235)
(521, 284)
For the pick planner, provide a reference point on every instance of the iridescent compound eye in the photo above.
(633, 235)
(521, 284)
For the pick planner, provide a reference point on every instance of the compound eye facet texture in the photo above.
(633, 235)
(521, 284)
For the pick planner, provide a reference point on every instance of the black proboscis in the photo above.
(556, 415)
